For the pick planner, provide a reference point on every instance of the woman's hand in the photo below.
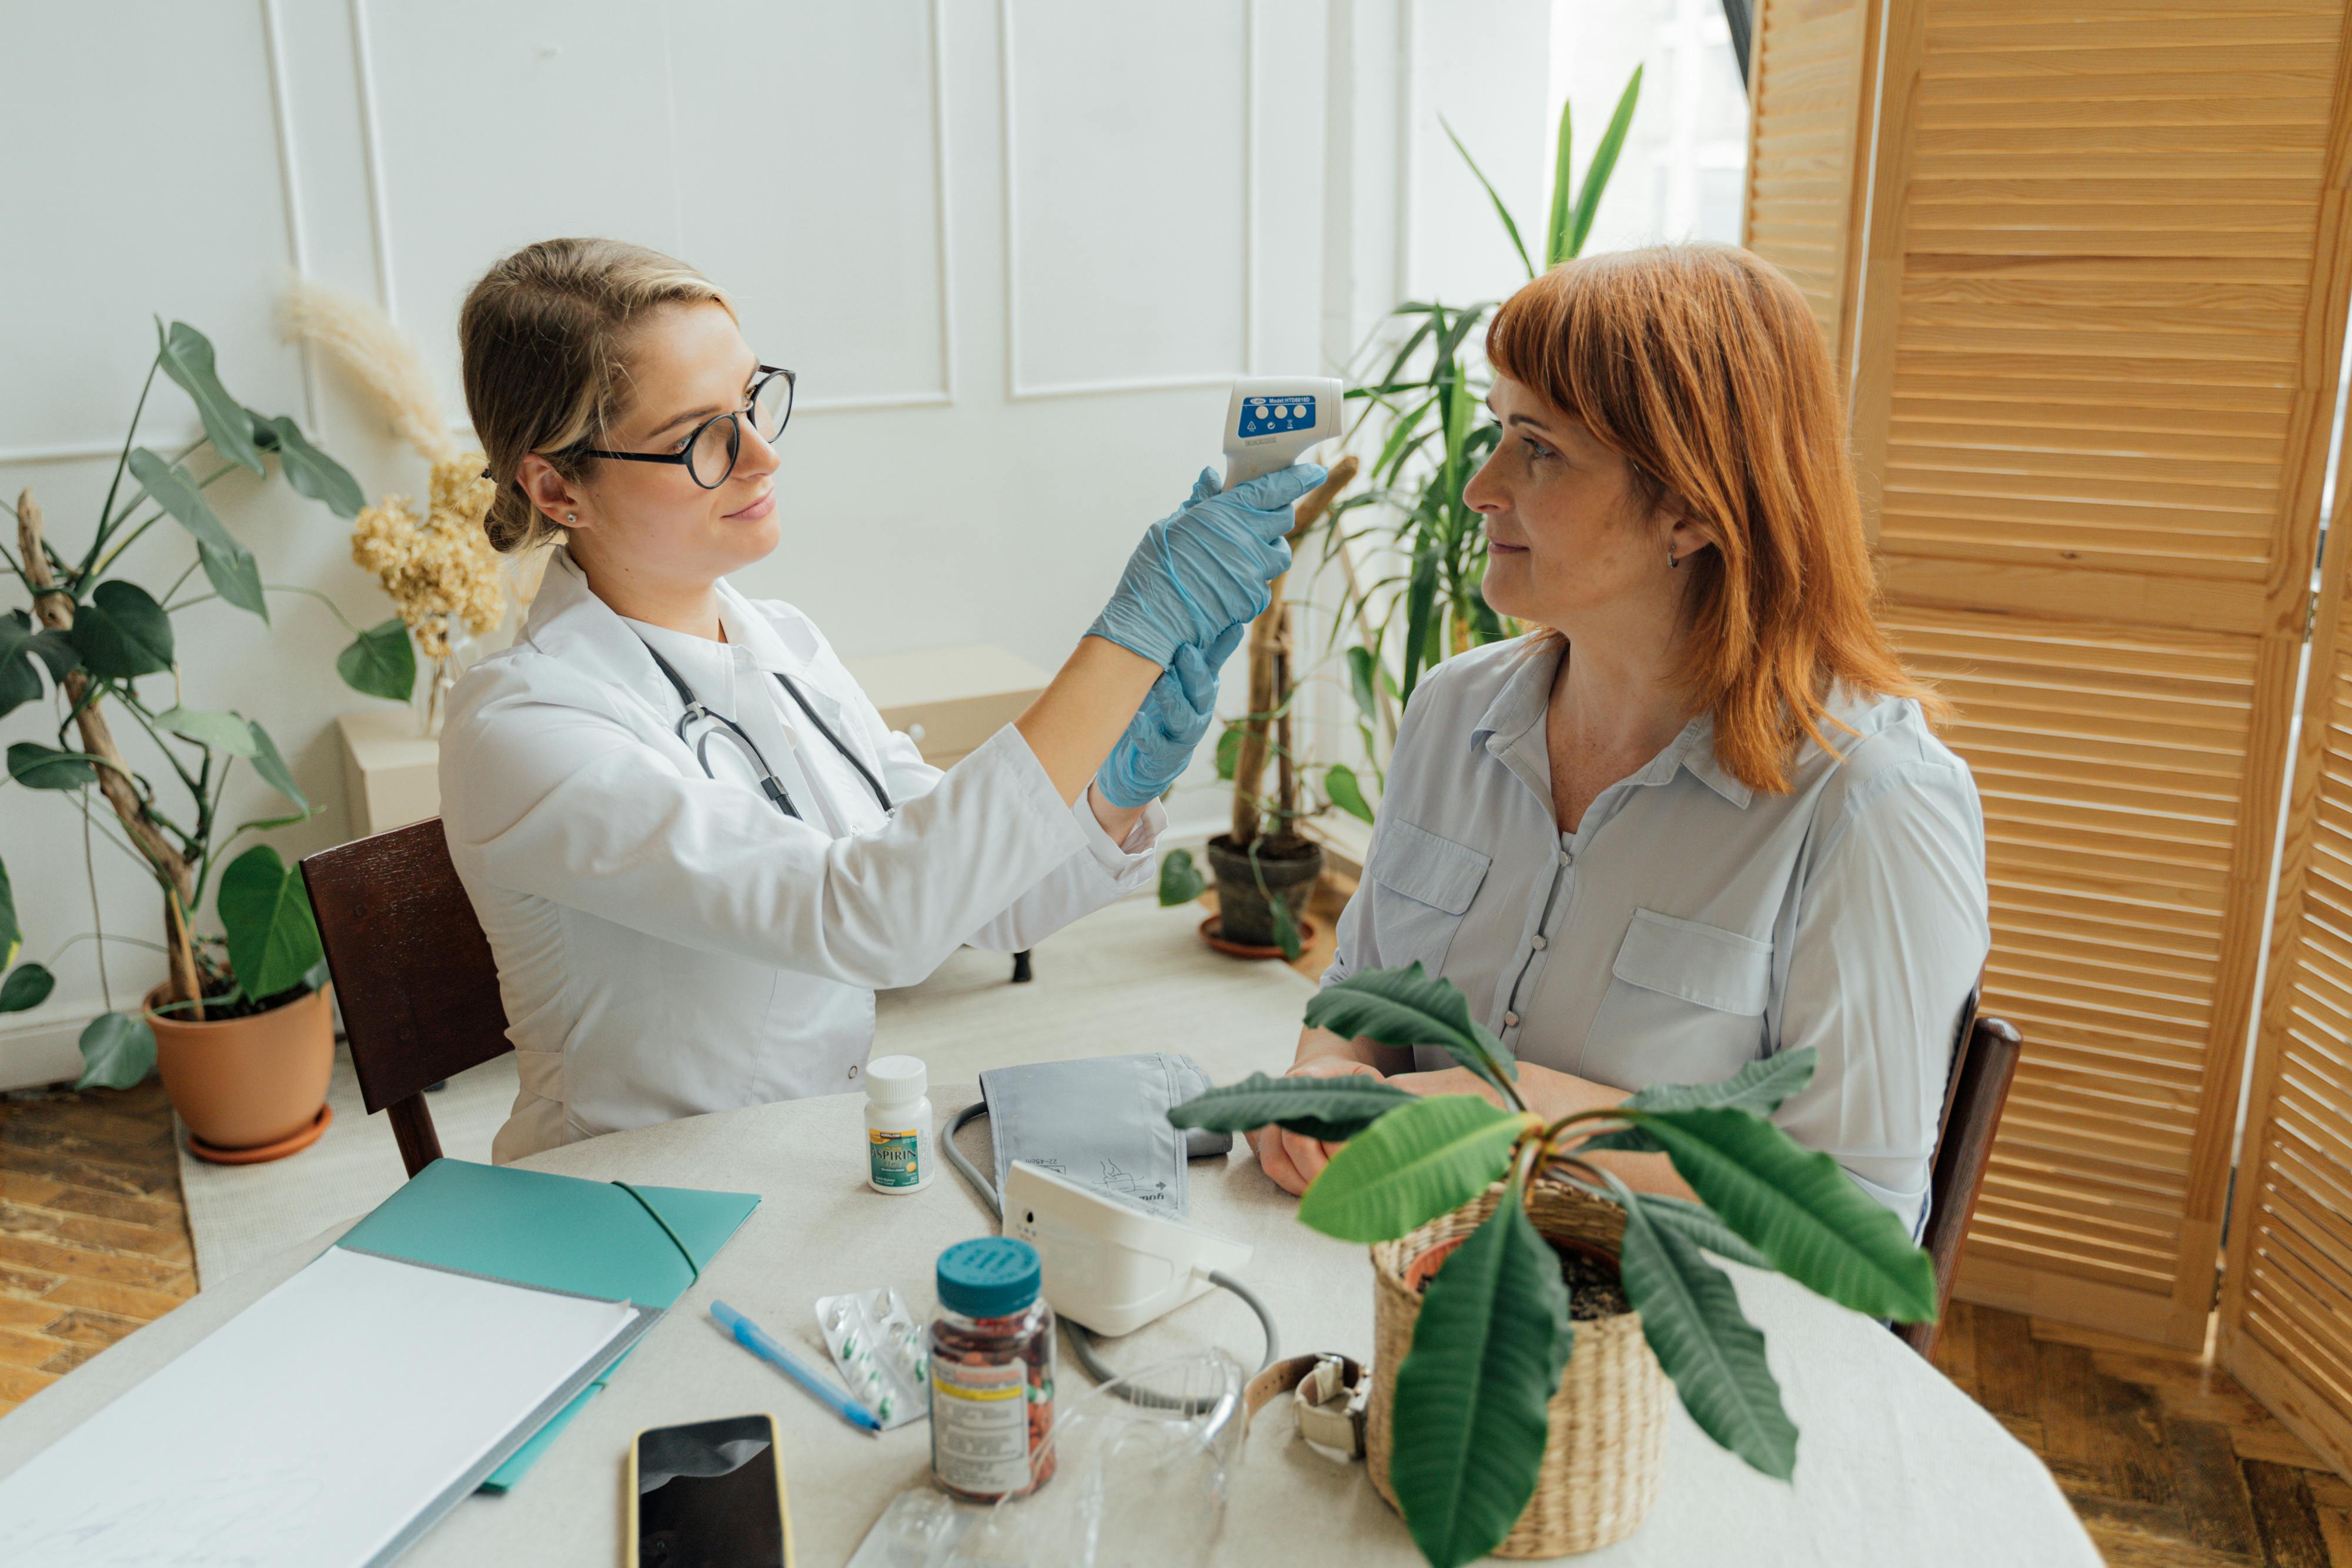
(1205, 565)
(1160, 739)
(1294, 1159)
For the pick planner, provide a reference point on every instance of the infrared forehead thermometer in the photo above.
(1273, 420)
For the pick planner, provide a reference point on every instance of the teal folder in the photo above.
(644, 1244)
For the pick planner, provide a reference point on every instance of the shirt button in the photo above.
(1567, 859)
(853, 1072)
(1542, 942)
(1510, 1020)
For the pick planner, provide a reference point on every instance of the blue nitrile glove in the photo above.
(1205, 565)
(1175, 714)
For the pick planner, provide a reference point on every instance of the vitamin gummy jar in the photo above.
(991, 1371)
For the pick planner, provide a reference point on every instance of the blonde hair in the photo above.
(1701, 366)
(544, 337)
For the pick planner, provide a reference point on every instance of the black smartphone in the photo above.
(709, 1495)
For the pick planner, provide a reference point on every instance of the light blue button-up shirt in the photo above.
(1690, 924)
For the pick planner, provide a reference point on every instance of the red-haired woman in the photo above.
(1698, 816)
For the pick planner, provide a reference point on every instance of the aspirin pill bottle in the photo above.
(898, 1154)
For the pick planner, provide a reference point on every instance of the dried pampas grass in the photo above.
(363, 340)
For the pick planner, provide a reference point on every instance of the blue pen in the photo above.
(755, 1339)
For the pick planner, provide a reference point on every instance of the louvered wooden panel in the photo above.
(2286, 1311)
(2099, 319)
(1808, 114)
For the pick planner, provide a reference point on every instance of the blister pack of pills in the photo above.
(880, 1348)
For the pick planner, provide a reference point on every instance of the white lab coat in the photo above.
(670, 944)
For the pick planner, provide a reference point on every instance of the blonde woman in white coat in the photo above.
(693, 845)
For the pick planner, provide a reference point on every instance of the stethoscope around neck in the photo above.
(770, 786)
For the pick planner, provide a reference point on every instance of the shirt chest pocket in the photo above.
(1685, 1004)
(1421, 886)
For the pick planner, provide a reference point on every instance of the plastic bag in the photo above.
(1139, 1482)
(881, 1351)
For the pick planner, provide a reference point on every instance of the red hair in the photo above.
(1702, 367)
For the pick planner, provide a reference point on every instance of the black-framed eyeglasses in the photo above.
(708, 454)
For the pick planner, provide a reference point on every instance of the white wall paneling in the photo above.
(1129, 166)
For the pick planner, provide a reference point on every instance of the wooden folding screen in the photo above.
(2096, 331)
(1813, 68)
(2287, 1307)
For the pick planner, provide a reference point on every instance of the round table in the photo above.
(1894, 1465)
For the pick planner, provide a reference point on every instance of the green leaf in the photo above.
(273, 770)
(1285, 926)
(1229, 752)
(28, 987)
(1180, 881)
(1759, 1087)
(1361, 675)
(187, 358)
(228, 566)
(1705, 1344)
(118, 1051)
(1556, 235)
(1413, 1165)
(1339, 783)
(37, 766)
(123, 632)
(1471, 1417)
(1694, 1224)
(1420, 605)
(1510, 225)
(272, 938)
(379, 661)
(1799, 1211)
(1333, 1109)
(1605, 163)
(311, 471)
(1410, 1007)
(216, 731)
(12, 936)
(20, 646)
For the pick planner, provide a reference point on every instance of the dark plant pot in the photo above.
(1289, 871)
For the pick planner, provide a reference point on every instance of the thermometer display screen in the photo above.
(1274, 416)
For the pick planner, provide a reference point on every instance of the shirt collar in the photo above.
(1518, 707)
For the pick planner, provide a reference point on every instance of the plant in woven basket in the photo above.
(1494, 1333)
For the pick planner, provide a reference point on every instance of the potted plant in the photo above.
(241, 1020)
(1265, 869)
(1506, 1425)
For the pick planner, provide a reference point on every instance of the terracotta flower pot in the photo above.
(245, 1083)
(1608, 1417)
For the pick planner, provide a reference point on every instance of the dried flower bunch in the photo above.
(437, 565)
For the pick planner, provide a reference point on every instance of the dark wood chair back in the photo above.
(413, 971)
(1984, 1061)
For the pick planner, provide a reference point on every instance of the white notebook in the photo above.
(327, 1425)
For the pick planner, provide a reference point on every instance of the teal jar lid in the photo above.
(989, 1276)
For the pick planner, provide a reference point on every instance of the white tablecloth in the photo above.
(1896, 1465)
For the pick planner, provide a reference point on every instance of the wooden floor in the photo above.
(2166, 1460)
(94, 1235)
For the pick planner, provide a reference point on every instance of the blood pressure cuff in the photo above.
(1102, 1121)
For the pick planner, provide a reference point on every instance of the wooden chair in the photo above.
(1984, 1061)
(413, 970)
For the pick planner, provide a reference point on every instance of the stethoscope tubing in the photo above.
(770, 785)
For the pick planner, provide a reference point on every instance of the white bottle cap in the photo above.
(897, 1080)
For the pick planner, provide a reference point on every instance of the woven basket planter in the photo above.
(1602, 1463)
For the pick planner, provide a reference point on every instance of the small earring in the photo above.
(571, 520)
(1672, 560)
